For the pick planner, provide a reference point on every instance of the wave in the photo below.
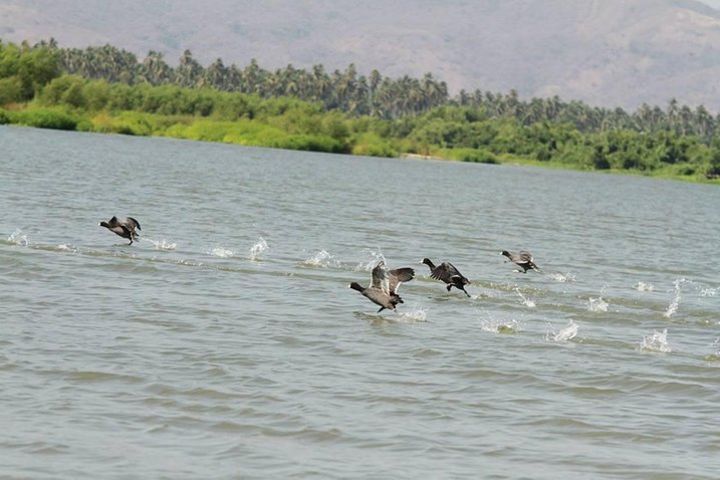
(258, 249)
(656, 342)
(322, 259)
(644, 287)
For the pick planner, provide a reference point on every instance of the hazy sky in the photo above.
(712, 3)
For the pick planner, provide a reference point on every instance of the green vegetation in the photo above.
(35, 90)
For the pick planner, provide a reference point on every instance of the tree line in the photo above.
(46, 86)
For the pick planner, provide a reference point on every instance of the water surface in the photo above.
(226, 344)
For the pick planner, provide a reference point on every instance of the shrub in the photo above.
(47, 118)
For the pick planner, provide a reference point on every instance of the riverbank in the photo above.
(322, 131)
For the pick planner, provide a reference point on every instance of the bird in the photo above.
(124, 227)
(385, 284)
(522, 259)
(447, 273)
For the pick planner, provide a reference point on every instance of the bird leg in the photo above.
(449, 287)
(463, 289)
(131, 242)
(381, 309)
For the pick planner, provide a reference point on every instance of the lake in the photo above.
(226, 343)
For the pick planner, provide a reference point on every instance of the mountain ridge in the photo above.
(608, 53)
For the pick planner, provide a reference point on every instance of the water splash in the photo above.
(18, 238)
(565, 334)
(375, 257)
(526, 301)
(500, 326)
(322, 259)
(714, 357)
(657, 342)
(597, 305)
(417, 315)
(709, 292)
(644, 287)
(161, 244)
(66, 248)
(258, 249)
(562, 278)
(221, 252)
(675, 303)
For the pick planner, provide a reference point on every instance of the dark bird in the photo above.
(447, 273)
(522, 259)
(124, 227)
(385, 284)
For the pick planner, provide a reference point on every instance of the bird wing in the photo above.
(442, 272)
(524, 257)
(380, 277)
(398, 276)
(134, 223)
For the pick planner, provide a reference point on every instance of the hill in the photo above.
(608, 52)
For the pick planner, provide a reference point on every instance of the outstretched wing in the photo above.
(398, 276)
(443, 272)
(131, 223)
(452, 271)
(381, 278)
(524, 257)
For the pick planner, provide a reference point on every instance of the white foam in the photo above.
(526, 301)
(499, 326)
(644, 287)
(417, 315)
(597, 305)
(18, 238)
(161, 244)
(562, 278)
(657, 342)
(709, 292)
(66, 248)
(221, 252)
(675, 303)
(322, 259)
(565, 334)
(258, 249)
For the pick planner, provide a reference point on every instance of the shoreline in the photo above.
(502, 159)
